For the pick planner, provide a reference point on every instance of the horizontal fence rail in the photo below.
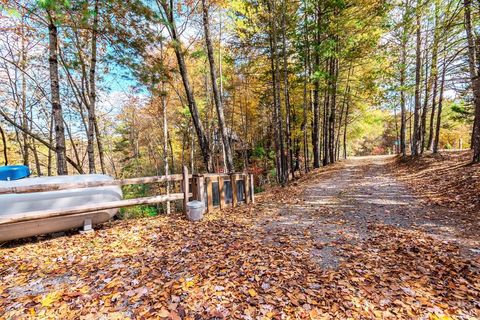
(239, 185)
(42, 214)
(89, 184)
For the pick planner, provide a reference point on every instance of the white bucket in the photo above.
(195, 210)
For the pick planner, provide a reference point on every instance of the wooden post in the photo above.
(198, 188)
(221, 191)
(185, 188)
(233, 182)
(209, 194)
(252, 189)
(246, 187)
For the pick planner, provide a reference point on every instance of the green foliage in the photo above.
(462, 113)
(137, 191)
(367, 133)
(54, 5)
(259, 152)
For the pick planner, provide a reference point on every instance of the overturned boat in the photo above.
(13, 205)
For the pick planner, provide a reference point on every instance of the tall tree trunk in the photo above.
(286, 88)
(216, 93)
(316, 93)
(342, 111)
(283, 157)
(276, 93)
(192, 105)
(306, 79)
(345, 128)
(434, 77)
(326, 114)
(23, 65)
(403, 76)
(55, 92)
(440, 103)
(49, 154)
(4, 142)
(424, 111)
(163, 98)
(333, 107)
(418, 67)
(474, 68)
(93, 63)
(92, 94)
(306, 158)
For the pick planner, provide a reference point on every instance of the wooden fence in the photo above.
(222, 190)
(203, 188)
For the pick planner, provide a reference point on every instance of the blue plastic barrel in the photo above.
(8, 173)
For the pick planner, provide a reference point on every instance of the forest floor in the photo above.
(359, 239)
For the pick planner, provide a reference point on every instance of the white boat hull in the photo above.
(11, 204)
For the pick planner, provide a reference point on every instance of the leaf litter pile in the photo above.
(447, 180)
(232, 265)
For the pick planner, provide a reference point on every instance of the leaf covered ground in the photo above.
(448, 180)
(314, 250)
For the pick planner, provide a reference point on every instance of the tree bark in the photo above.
(326, 114)
(403, 76)
(434, 77)
(286, 89)
(60, 149)
(92, 94)
(418, 66)
(316, 95)
(216, 93)
(276, 93)
(342, 111)
(474, 68)
(424, 110)
(440, 104)
(345, 128)
(192, 105)
(333, 110)
(33, 146)
(306, 78)
(4, 142)
(23, 63)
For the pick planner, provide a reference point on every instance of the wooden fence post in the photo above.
(246, 188)
(185, 188)
(252, 189)
(233, 182)
(208, 181)
(198, 188)
(221, 191)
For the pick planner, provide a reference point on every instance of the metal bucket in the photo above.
(195, 210)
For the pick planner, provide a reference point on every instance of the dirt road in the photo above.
(360, 193)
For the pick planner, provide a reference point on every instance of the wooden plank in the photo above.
(185, 188)
(221, 191)
(89, 184)
(252, 188)
(216, 175)
(208, 181)
(41, 214)
(247, 187)
(194, 187)
(233, 181)
(198, 185)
